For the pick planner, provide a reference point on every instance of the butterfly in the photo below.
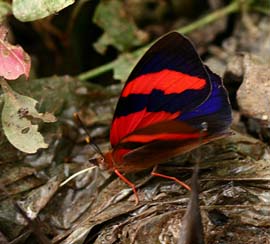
(170, 104)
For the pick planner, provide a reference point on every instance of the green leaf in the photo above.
(5, 9)
(119, 28)
(29, 10)
(125, 64)
(18, 118)
(262, 6)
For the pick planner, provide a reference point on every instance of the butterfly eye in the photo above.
(98, 160)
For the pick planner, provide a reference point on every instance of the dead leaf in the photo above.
(37, 199)
(17, 115)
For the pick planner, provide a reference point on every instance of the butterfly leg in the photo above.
(129, 183)
(170, 178)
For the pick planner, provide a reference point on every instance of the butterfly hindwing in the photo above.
(215, 111)
(154, 144)
(147, 146)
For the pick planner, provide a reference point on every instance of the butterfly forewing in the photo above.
(168, 80)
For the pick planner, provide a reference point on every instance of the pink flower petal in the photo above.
(14, 61)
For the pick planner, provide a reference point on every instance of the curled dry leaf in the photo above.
(14, 61)
(17, 116)
(253, 95)
(37, 199)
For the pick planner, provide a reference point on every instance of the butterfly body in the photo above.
(168, 99)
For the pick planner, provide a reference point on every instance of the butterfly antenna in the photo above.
(90, 143)
(88, 139)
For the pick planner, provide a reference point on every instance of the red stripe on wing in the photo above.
(119, 154)
(124, 125)
(169, 81)
(161, 136)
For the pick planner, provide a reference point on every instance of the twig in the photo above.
(74, 15)
(4, 85)
(263, 10)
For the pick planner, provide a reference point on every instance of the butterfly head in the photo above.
(104, 162)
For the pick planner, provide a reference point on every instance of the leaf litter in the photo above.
(234, 181)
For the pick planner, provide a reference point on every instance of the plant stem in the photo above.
(4, 85)
(231, 8)
(97, 71)
(262, 10)
(7, 89)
